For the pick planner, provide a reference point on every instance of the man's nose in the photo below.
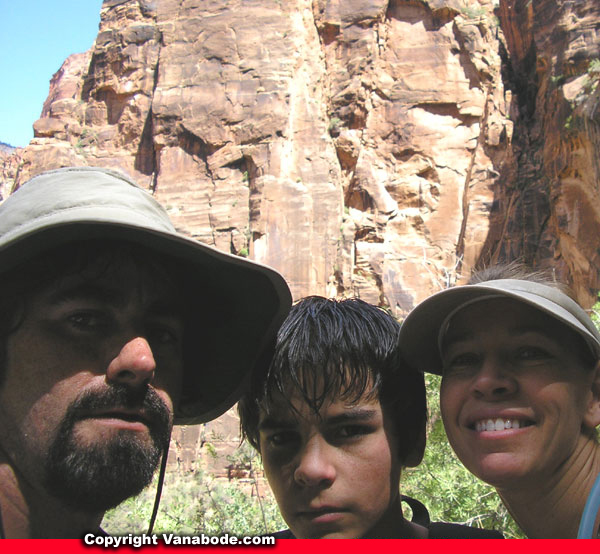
(314, 466)
(134, 365)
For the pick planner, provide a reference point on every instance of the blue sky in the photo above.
(36, 36)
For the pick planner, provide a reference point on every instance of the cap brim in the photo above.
(421, 328)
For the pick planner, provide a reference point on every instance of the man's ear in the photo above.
(591, 418)
(415, 456)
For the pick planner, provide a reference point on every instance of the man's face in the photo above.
(91, 377)
(515, 393)
(335, 474)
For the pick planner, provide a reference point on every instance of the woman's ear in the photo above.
(415, 456)
(591, 418)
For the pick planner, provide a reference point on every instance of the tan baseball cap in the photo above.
(249, 301)
(425, 325)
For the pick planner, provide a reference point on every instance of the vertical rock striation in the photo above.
(548, 199)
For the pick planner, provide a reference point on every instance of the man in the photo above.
(336, 418)
(114, 327)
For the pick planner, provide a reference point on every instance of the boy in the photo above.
(336, 417)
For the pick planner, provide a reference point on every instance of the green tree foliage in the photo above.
(595, 314)
(196, 502)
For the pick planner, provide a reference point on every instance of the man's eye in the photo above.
(163, 335)
(88, 321)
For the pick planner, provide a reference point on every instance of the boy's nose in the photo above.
(134, 365)
(314, 466)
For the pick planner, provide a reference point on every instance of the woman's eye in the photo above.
(531, 353)
(462, 361)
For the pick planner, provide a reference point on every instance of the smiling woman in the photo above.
(520, 392)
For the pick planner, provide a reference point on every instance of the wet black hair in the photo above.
(342, 349)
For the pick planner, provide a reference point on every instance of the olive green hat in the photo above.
(248, 301)
(425, 326)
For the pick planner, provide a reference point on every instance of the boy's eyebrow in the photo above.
(349, 415)
(353, 414)
(273, 422)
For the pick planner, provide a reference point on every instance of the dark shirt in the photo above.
(436, 530)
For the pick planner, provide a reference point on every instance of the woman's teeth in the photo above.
(499, 424)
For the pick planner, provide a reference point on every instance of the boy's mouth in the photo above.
(500, 424)
(324, 514)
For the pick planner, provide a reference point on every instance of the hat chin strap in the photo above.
(159, 487)
(446, 323)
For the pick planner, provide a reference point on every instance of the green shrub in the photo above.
(195, 502)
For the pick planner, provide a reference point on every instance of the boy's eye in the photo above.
(280, 439)
(351, 431)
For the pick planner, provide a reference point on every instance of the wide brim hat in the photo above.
(241, 303)
(423, 329)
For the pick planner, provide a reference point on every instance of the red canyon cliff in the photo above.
(377, 148)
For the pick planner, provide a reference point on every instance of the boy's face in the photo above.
(335, 474)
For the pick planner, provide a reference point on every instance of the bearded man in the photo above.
(114, 327)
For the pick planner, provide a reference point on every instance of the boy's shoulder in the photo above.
(436, 531)
(443, 530)
(285, 534)
(457, 531)
(420, 515)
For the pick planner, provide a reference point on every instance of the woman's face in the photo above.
(515, 392)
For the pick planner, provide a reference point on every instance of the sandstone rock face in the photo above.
(548, 202)
(355, 145)
(10, 159)
(372, 148)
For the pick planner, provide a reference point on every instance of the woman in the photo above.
(520, 393)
